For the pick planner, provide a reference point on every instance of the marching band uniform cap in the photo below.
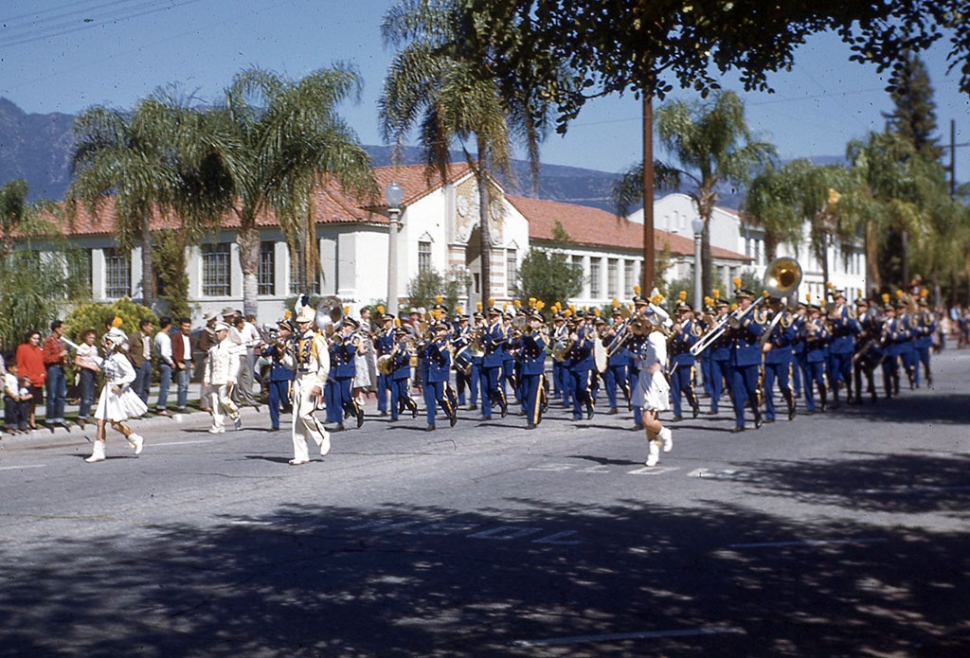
(536, 314)
(888, 307)
(774, 300)
(599, 320)
(306, 314)
(640, 301)
(815, 307)
(284, 323)
(682, 307)
(494, 310)
(478, 315)
(387, 317)
(400, 331)
(900, 304)
(442, 326)
(352, 322)
(617, 311)
(838, 292)
(743, 293)
(862, 301)
(721, 303)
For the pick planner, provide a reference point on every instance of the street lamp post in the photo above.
(393, 195)
(698, 226)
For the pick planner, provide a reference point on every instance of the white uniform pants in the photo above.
(305, 425)
(222, 405)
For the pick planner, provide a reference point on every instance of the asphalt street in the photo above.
(840, 534)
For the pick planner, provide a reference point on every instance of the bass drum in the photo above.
(601, 356)
(463, 362)
(385, 364)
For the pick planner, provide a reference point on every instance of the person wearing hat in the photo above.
(383, 345)
(338, 390)
(307, 355)
(532, 359)
(720, 355)
(579, 365)
(906, 346)
(843, 327)
(560, 382)
(494, 340)
(684, 334)
(816, 338)
(745, 329)
(894, 334)
(206, 340)
(925, 328)
(652, 392)
(437, 360)
(476, 382)
(617, 373)
(867, 351)
(222, 368)
(462, 344)
(401, 374)
(510, 365)
(118, 401)
(280, 376)
(778, 357)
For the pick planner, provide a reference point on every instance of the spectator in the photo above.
(182, 355)
(30, 364)
(55, 358)
(86, 360)
(140, 353)
(163, 351)
(207, 339)
(16, 402)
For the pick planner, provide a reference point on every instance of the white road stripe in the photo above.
(817, 542)
(17, 468)
(617, 637)
(173, 443)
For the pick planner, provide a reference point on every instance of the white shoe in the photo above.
(237, 422)
(137, 442)
(97, 455)
(653, 456)
(325, 444)
(217, 430)
(298, 462)
(667, 437)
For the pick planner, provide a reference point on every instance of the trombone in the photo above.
(781, 278)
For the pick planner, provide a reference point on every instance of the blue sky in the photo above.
(64, 55)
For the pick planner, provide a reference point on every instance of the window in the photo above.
(511, 270)
(612, 276)
(295, 286)
(117, 274)
(215, 270)
(267, 268)
(424, 257)
(594, 277)
(629, 277)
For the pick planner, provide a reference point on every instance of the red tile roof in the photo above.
(595, 227)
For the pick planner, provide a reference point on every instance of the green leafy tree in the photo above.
(770, 204)
(172, 271)
(425, 289)
(914, 115)
(548, 276)
(93, 314)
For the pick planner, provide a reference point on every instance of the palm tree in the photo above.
(713, 145)
(440, 82)
(277, 140)
(770, 204)
(149, 161)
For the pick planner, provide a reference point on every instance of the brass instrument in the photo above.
(329, 315)
(781, 278)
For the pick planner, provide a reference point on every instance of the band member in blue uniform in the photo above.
(438, 371)
(925, 328)
(816, 338)
(579, 363)
(720, 352)
(707, 322)
(894, 334)
(401, 374)
(509, 381)
(384, 344)
(843, 327)
(532, 356)
(561, 381)
(617, 375)
(779, 359)
(280, 375)
(868, 352)
(494, 341)
(338, 392)
(685, 332)
(746, 358)
(906, 346)
(461, 341)
(477, 375)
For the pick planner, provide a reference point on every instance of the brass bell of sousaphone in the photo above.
(330, 313)
(782, 277)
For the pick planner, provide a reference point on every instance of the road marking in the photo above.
(815, 542)
(17, 468)
(505, 533)
(559, 538)
(551, 467)
(911, 490)
(653, 470)
(176, 443)
(618, 637)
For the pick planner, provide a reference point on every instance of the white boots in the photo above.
(137, 442)
(97, 454)
(665, 438)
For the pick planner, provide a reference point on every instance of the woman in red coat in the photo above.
(30, 363)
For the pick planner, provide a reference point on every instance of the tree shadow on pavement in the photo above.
(318, 580)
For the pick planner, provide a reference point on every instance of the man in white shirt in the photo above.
(163, 350)
(220, 374)
(309, 357)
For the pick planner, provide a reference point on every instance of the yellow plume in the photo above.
(858, 292)
(532, 302)
(380, 309)
(505, 308)
(716, 293)
(596, 312)
(682, 296)
(885, 298)
(397, 322)
(734, 307)
(286, 314)
(737, 281)
(437, 299)
(616, 303)
(924, 293)
(636, 290)
(458, 310)
(518, 303)
(830, 285)
(479, 305)
(540, 305)
(346, 311)
(808, 297)
(899, 294)
(568, 312)
(491, 302)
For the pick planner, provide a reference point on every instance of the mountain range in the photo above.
(38, 147)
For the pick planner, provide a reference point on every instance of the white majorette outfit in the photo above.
(221, 369)
(652, 393)
(118, 401)
(309, 358)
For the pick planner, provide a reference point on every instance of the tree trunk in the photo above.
(147, 267)
(648, 237)
(707, 261)
(481, 174)
(248, 241)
